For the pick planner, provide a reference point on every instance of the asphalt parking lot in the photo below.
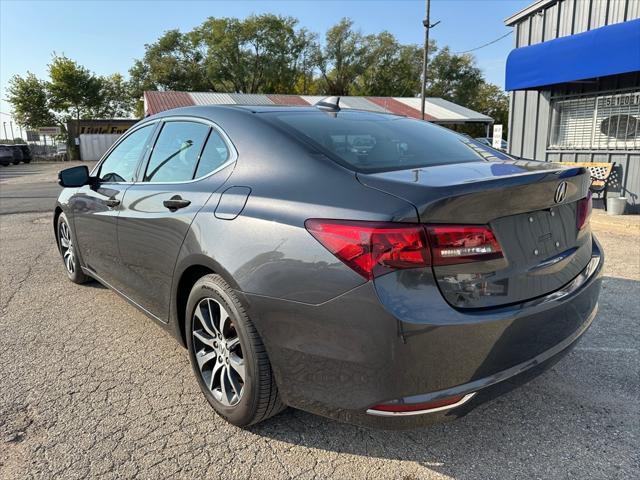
(89, 387)
(32, 187)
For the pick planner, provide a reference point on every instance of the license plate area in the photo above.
(531, 238)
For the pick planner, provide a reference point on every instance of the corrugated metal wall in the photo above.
(529, 112)
(94, 145)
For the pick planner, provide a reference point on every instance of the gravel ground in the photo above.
(92, 388)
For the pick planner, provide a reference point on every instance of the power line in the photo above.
(485, 44)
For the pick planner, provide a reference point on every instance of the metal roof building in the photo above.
(574, 75)
(437, 110)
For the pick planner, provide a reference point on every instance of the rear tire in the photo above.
(228, 356)
(68, 250)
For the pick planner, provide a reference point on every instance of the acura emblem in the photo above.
(561, 192)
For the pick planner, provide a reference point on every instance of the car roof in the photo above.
(205, 110)
(276, 108)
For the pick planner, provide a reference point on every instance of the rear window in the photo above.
(369, 142)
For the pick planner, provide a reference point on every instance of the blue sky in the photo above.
(106, 36)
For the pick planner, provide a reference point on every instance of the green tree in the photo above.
(260, 54)
(454, 77)
(391, 69)
(306, 82)
(271, 54)
(29, 99)
(342, 59)
(73, 90)
(115, 98)
(174, 62)
(493, 101)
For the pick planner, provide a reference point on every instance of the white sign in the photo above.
(497, 136)
(50, 131)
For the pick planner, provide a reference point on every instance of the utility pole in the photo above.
(11, 126)
(427, 26)
(4, 125)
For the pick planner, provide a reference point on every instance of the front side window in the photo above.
(120, 165)
(176, 152)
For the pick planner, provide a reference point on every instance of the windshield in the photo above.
(368, 142)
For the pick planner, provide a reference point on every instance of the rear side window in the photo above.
(214, 155)
(176, 152)
(369, 142)
(120, 165)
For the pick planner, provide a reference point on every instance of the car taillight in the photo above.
(454, 244)
(583, 211)
(375, 248)
(372, 248)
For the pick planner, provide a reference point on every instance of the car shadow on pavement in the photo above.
(576, 419)
(92, 283)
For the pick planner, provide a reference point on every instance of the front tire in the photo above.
(67, 247)
(227, 355)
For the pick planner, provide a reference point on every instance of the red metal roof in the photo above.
(399, 108)
(287, 100)
(160, 101)
(439, 110)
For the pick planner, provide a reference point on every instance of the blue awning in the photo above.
(609, 50)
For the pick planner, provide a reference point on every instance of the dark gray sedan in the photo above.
(367, 267)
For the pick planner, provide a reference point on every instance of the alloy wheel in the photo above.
(218, 352)
(66, 245)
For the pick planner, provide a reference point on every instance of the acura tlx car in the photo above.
(363, 266)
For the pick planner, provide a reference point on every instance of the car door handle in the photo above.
(112, 202)
(176, 202)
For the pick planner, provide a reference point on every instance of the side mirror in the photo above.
(74, 177)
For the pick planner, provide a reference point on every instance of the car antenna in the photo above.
(331, 104)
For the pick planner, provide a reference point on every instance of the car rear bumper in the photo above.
(398, 338)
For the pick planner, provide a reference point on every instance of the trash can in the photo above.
(616, 205)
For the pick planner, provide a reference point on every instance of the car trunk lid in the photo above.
(520, 201)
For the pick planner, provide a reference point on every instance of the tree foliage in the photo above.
(493, 101)
(174, 62)
(271, 54)
(72, 92)
(391, 69)
(115, 98)
(29, 98)
(259, 54)
(454, 77)
(458, 79)
(343, 58)
(73, 89)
